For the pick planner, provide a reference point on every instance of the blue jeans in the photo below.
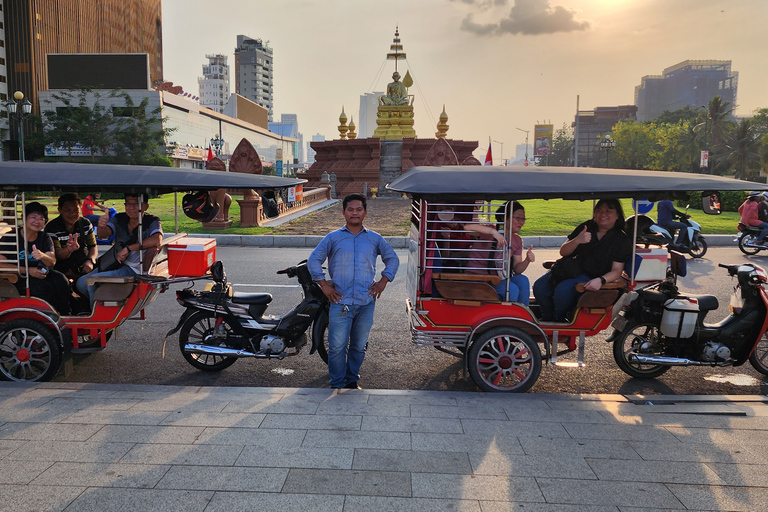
(519, 289)
(556, 300)
(764, 230)
(347, 336)
(89, 291)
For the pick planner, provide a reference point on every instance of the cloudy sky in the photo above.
(497, 65)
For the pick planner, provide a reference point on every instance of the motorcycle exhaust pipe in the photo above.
(193, 348)
(667, 361)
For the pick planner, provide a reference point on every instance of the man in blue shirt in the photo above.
(351, 253)
(666, 219)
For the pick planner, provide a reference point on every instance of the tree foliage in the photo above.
(561, 152)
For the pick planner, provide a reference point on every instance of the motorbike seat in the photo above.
(706, 302)
(257, 299)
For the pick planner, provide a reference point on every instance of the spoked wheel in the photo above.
(504, 359)
(320, 333)
(759, 357)
(200, 329)
(638, 339)
(698, 248)
(29, 351)
(745, 239)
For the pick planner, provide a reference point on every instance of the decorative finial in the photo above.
(442, 125)
(396, 49)
(343, 129)
(352, 134)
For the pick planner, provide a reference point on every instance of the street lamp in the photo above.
(501, 154)
(217, 143)
(20, 113)
(607, 145)
(526, 144)
(706, 129)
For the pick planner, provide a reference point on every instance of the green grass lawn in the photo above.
(554, 217)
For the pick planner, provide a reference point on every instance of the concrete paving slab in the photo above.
(465, 443)
(348, 482)
(66, 451)
(385, 424)
(8, 446)
(475, 487)
(502, 506)
(701, 452)
(354, 439)
(626, 432)
(21, 471)
(743, 475)
(385, 504)
(312, 421)
(720, 436)
(415, 399)
(446, 411)
(96, 474)
(44, 413)
(182, 403)
(45, 431)
(107, 499)
(232, 501)
(706, 497)
(597, 492)
(364, 409)
(146, 434)
(555, 416)
(513, 428)
(596, 448)
(182, 454)
(414, 461)
(218, 478)
(202, 418)
(37, 498)
(530, 465)
(655, 471)
(249, 436)
(282, 406)
(284, 456)
(107, 404)
(104, 417)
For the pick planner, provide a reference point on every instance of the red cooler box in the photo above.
(190, 257)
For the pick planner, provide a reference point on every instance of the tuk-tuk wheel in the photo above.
(29, 351)
(504, 359)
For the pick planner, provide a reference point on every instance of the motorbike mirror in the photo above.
(710, 203)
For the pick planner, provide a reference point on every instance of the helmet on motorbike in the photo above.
(199, 206)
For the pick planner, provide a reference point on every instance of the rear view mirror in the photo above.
(269, 204)
(710, 203)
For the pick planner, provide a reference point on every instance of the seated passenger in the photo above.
(73, 239)
(484, 251)
(125, 228)
(594, 253)
(46, 283)
(90, 205)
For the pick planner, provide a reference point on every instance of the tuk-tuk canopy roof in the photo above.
(137, 179)
(489, 182)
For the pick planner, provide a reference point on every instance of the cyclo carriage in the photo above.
(500, 342)
(34, 337)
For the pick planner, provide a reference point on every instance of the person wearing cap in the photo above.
(44, 282)
(750, 214)
(666, 219)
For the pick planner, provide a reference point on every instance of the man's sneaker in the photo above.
(353, 385)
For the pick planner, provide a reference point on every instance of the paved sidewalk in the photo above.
(88, 447)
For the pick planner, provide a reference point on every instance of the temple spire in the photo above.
(396, 49)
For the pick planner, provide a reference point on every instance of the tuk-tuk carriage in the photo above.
(459, 312)
(34, 337)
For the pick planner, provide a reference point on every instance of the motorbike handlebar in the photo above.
(732, 269)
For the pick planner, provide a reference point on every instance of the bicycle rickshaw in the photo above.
(34, 337)
(460, 313)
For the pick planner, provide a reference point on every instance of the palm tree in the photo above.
(719, 123)
(743, 148)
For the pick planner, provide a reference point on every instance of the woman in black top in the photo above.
(595, 253)
(46, 283)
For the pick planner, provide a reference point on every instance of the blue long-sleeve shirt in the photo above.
(352, 262)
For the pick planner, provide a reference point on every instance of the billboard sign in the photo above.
(542, 139)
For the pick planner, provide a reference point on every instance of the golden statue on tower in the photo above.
(395, 112)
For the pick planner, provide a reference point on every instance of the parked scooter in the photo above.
(749, 240)
(650, 233)
(659, 327)
(219, 326)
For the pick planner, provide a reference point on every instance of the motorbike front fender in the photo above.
(186, 314)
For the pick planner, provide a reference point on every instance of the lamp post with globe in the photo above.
(20, 108)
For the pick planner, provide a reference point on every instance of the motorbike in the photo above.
(650, 233)
(658, 327)
(219, 326)
(749, 240)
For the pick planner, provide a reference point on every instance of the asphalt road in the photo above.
(138, 355)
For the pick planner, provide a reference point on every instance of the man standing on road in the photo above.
(351, 253)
